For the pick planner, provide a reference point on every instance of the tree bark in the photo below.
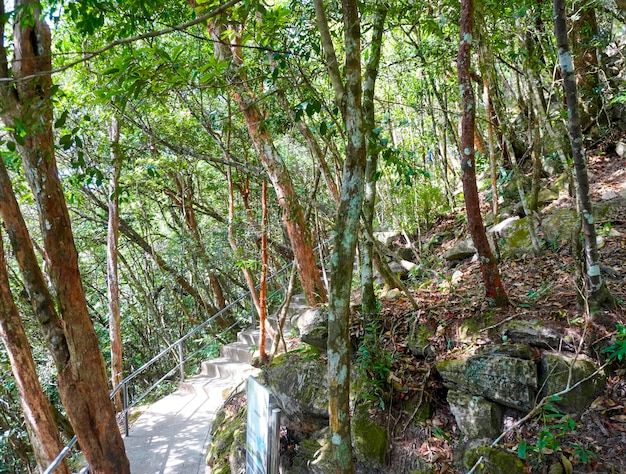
(38, 414)
(339, 453)
(368, 298)
(597, 291)
(494, 289)
(113, 287)
(83, 382)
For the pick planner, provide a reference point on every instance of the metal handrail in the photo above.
(178, 346)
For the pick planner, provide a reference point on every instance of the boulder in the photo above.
(515, 241)
(462, 250)
(313, 327)
(227, 448)
(369, 439)
(300, 384)
(547, 195)
(559, 225)
(494, 460)
(554, 370)
(506, 380)
(475, 416)
(536, 333)
(418, 343)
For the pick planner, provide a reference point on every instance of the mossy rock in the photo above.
(369, 439)
(494, 460)
(517, 242)
(469, 330)
(554, 370)
(228, 439)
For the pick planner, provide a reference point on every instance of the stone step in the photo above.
(204, 385)
(251, 337)
(226, 368)
(239, 351)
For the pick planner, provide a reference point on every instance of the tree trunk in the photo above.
(339, 452)
(597, 291)
(494, 289)
(368, 298)
(38, 414)
(113, 287)
(83, 384)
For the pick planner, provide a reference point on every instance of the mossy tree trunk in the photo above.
(597, 292)
(349, 98)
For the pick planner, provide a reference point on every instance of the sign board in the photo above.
(263, 429)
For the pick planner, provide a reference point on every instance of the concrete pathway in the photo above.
(172, 435)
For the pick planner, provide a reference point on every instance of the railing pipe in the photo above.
(125, 398)
(181, 363)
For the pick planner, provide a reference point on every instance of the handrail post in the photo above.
(181, 364)
(252, 310)
(125, 402)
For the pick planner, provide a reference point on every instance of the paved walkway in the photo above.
(172, 435)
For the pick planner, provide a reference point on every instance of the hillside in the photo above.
(406, 392)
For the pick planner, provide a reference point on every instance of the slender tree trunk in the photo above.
(597, 291)
(263, 282)
(494, 289)
(346, 228)
(83, 384)
(299, 235)
(113, 287)
(38, 414)
(368, 298)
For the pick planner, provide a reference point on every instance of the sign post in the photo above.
(263, 430)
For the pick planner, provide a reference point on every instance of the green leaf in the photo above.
(11, 146)
(61, 120)
(522, 450)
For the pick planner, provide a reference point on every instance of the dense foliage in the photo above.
(164, 76)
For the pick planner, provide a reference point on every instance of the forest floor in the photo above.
(540, 288)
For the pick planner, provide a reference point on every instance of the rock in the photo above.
(369, 439)
(462, 250)
(475, 416)
(547, 195)
(386, 237)
(305, 453)
(418, 342)
(392, 294)
(506, 380)
(501, 227)
(553, 374)
(457, 276)
(559, 225)
(536, 333)
(313, 327)
(519, 351)
(516, 242)
(300, 384)
(609, 196)
(227, 449)
(620, 149)
(494, 460)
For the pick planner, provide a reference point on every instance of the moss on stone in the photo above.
(225, 435)
(369, 439)
(470, 328)
(495, 461)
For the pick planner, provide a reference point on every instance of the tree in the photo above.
(494, 289)
(113, 286)
(596, 289)
(27, 110)
(40, 424)
(349, 97)
(293, 217)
